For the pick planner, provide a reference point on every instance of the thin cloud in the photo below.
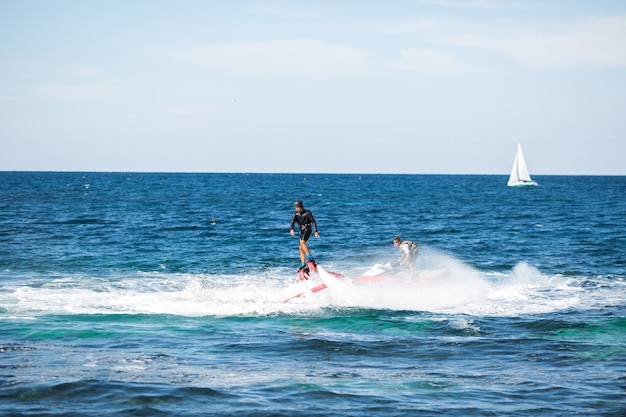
(594, 43)
(70, 92)
(472, 4)
(433, 62)
(424, 27)
(436, 29)
(310, 58)
(591, 43)
(82, 71)
(279, 9)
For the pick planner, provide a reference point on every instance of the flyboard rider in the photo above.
(307, 224)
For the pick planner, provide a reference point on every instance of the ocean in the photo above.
(161, 294)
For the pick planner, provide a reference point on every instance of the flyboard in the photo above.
(311, 279)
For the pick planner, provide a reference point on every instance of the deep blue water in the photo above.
(163, 294)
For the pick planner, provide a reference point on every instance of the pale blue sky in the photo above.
(430, 86)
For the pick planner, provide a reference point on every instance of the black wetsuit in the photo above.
(305, 219)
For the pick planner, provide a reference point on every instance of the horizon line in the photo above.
(292, 173)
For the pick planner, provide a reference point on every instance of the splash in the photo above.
(446, 285)
(442, 284)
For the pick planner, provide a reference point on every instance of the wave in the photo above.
(443, 285)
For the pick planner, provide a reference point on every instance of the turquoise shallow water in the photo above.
(162, 294)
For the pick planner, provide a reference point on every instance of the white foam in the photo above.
(446, 286)
(450, 286)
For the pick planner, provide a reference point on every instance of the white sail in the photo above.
(519, 172)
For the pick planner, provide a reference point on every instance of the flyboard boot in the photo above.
(303, 272)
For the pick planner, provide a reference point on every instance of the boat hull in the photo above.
(523, 184)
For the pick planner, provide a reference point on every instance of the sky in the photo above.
(403, 86)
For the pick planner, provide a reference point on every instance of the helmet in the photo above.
(298, 203)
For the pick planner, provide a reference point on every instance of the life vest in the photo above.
(413, 248)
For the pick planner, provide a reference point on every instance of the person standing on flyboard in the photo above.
(307, 224)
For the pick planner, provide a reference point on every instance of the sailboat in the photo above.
(519, 173)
